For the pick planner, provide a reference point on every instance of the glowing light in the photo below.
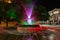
(28, 16)
(28, 7)
(24, 23)
(29, 21)
(28, 10)
(8, 1)
(56, 12)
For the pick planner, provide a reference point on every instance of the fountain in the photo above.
(28, 23)
(28, 13)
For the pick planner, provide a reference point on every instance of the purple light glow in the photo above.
(30, 38)
(29, 17)
(28, 10)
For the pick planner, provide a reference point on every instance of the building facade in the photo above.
(54, 16)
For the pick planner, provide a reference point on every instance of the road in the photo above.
(52, 33)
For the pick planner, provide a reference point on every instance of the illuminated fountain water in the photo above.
(28, 12)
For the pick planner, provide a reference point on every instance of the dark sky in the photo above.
(50, 4)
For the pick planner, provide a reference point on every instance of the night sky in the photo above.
(50, 4)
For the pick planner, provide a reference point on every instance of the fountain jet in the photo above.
(28, 10)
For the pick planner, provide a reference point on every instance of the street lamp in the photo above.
(8, 1)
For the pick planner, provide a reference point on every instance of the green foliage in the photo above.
(11, 13)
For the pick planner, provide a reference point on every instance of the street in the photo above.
(52, 33)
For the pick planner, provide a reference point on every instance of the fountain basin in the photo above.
(28, 28)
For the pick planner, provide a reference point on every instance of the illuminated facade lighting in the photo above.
(56, 12)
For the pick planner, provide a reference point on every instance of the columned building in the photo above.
(55, 16)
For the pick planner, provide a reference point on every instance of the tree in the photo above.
(41, 12)
(9, 12)
(2, 11)
(19, 13)
(1, 14)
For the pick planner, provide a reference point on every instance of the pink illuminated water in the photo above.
(28, 11)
